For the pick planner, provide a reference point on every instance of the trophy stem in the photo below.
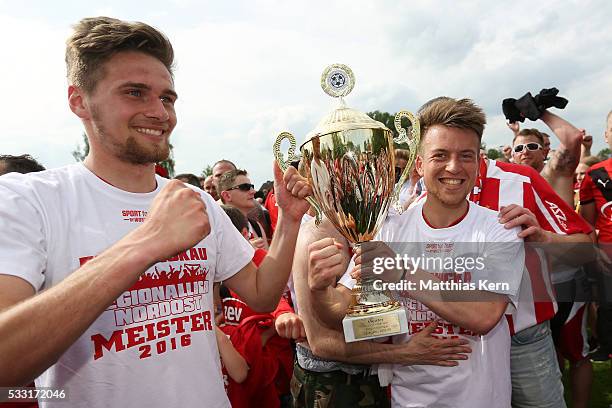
(372, 313)
(366, 299)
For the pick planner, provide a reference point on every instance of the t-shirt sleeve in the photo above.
(552, 212)
(587, 189)
(234, 252)
(23, 245)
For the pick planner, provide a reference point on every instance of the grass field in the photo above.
(601, 392)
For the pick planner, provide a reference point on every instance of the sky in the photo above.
(249, 70)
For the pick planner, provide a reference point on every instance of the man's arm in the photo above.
(479, 316)
(587, 143)
(567, 156)
(13, 290)
(235, 365)
(568, 249)
(422, 349)
(325, 263)
(37, 330)
(476, 310)
(515, 127)
(262, 288)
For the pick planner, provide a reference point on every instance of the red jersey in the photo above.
(272, 207)
(501, 184)
(235, 310)
(271, 366)
(596, 187)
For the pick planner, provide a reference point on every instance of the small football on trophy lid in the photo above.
(337, 80)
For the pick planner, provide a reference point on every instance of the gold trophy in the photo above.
(350, 162)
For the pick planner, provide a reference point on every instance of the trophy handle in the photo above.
(284, 165)
(413, 144)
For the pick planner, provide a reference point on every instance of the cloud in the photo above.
(251, 69)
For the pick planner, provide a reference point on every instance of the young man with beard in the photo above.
(448, 160)
(106, 271)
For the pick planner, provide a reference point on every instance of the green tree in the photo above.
(604, 153)
(81, 152)
(207, 171)
(386, 118)
(493, 154)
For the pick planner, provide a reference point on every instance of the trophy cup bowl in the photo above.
(349, 161)
(352, 173)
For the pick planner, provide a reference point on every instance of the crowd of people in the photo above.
(126, 288)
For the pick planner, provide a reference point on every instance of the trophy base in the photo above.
(375, 325)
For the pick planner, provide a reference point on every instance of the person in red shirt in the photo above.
(596, 208)
(254, 336)
(525, 198)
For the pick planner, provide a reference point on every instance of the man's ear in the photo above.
(77, 103)
(418, 164)
(225, 197)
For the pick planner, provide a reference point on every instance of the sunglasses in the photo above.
(243, 187)
(532, 147)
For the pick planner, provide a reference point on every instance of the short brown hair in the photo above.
(531, 132)
(458, 113)
(402, 154)
(228, 178)
(97, 39)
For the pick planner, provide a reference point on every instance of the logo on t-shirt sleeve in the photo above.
(558, 213)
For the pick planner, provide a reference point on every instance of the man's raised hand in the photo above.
(516, 216)
(325, 263)
(290, 190)
(290, 326)
(515, 127)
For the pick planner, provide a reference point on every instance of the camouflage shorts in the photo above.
(311, 389)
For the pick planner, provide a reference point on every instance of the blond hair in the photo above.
(457, 113)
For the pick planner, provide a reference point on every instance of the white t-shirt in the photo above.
(484, 379)
(155, 346)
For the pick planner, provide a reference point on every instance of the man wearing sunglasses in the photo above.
(528, 148)
(236, 190)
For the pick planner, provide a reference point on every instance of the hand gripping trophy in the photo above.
(349, 161)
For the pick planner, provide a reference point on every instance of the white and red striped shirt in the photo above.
(500, 184)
